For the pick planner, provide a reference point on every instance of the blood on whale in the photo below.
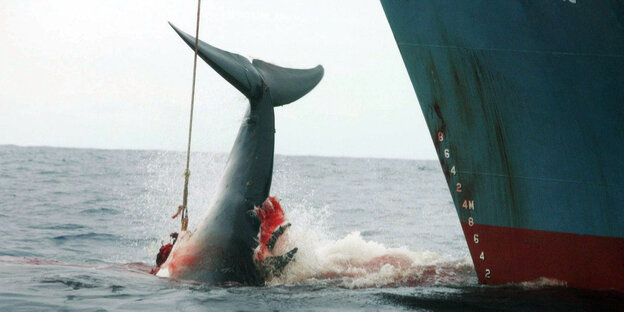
(271, 217)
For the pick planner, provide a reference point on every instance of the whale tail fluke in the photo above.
(286, 84)
(234, 68)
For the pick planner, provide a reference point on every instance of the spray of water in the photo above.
(354, 262)
(350, 261)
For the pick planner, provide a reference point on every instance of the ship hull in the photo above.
(517, 255)
(524, 101)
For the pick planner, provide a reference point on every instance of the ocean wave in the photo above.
(66, 226)
(88, 236)
(75, 284)
(100, 211)
(48, 172)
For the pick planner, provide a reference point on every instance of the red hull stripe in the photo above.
(504, 255)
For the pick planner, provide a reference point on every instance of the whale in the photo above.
(224, 247)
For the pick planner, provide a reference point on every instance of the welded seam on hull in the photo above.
(508, 50)
(538, 179)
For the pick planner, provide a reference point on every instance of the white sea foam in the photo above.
(353, 262)
(541, 283)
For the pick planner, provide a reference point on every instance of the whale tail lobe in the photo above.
(286, 85)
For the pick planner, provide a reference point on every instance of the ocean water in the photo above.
(80, 229)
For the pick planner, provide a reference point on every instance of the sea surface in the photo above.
(80, 228)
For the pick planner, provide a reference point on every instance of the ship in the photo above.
(524, 101)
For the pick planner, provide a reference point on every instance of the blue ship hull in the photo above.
(524, 101)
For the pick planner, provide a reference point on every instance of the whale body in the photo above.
(222, 248)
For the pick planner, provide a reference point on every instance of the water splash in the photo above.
(354, 262)
(327, 254)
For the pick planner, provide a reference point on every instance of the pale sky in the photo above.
(113, 74)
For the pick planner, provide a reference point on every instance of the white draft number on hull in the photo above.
(468, 204)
